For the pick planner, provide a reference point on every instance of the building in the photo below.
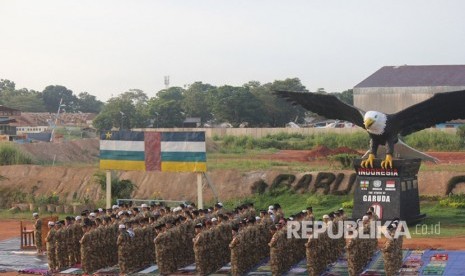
(394, 88)
(192, 122)
(7, 121)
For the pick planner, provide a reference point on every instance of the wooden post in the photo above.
(22, 234)
(199, 191)
(108, 189)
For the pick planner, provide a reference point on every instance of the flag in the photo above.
(390, 184)
(153, 151)
(364, 184)
(183, 152)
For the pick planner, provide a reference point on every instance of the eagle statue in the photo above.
(384, 129)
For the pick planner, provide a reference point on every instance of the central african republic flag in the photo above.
(153, 151)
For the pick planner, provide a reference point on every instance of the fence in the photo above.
(261, 132)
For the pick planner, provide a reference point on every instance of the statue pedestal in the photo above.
(392, 192)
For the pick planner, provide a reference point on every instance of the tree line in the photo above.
(47, 100)
(252, 104)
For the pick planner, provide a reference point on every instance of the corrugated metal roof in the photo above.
(416, 75)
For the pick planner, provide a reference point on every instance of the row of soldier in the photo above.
(392, 250)
(183, 235)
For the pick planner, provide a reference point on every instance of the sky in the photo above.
(107, 47)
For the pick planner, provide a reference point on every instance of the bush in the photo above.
(119, 188)
(12, 155)
(319, 200)
(426, 140)
(9, 196)
(454, 201)
(348, 204)
(430, 197)
(346, 160)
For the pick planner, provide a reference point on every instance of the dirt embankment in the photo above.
(84, 151)
(77, 182)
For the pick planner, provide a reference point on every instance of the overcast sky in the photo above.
(106, 47)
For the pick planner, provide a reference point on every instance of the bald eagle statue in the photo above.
(384, 129)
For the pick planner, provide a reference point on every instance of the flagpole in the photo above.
(108, 190)
(199, 191)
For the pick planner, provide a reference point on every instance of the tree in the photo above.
(119, 188)
(52, 95)
(88, 103)
(346, 96)
(195, 101)
(124, 112)
(166, 108)
(235, 105)
(277, 112)
(30, 102)
(7, 85)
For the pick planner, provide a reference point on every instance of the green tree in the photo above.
(346, 96)
(52, 95)
(195, 101)
(234, 105)
(125, 111)
(119, 188)
(30, 102)
(88, 103)
(278, 111)
(165, 110)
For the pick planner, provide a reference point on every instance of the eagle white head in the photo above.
(375, 122)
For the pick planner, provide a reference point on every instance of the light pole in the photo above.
(122, 117)
(156, 114)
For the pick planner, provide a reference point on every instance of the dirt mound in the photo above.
(319, 152)
(66, 152)
(345, 150)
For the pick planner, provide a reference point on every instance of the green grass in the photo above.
(293, 202)
(26, 215)
(451, 220)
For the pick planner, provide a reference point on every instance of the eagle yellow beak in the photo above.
(368, 122)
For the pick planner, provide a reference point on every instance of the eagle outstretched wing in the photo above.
(325, 105)
(440, 108)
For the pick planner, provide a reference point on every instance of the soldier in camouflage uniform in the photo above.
(50, 243)
(123, 257)
(86, 242)
(388, 253)
(37, 232)
(69, 240)
(61, 248)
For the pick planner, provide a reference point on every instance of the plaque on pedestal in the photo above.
(393, 193)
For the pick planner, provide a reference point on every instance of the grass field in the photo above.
(450, 220)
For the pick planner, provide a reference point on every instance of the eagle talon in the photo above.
(368, 161)
(387, 162)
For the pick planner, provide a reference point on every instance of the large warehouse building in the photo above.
(393, 88)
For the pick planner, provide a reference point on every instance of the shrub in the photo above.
(348, 204)
(454, 201)
(9, 196)
(12, 155)
(346, 160)
(434, 140)
(119, 188)
(319, 200)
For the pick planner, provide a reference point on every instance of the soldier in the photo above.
(374, 216)
(276, 254)
(235, 253)
(388, 252)
(85, 248)
(38, 232)
(309, 214)
(50, 243)
(69, 240)
(60, 246)
(123, 257)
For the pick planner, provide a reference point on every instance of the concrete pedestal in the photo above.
(392, 192)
